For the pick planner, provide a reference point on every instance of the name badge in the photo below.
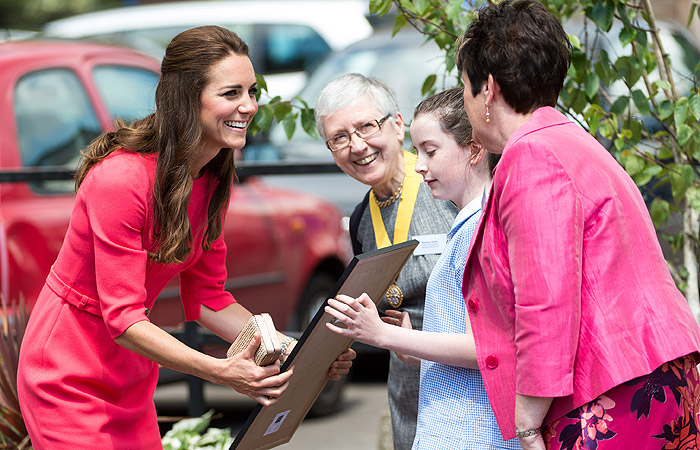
(430, 244)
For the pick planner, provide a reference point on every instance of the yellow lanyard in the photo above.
(407, 202)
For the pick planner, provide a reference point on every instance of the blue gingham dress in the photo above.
(453, 410)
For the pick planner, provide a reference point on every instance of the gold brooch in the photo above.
(394, 296)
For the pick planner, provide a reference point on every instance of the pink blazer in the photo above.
(566, 287)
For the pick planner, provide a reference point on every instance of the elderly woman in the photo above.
(363, 128)
(582, 338)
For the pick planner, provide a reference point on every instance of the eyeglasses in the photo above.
(364, 131)
(473, 144)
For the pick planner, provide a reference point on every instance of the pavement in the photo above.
(362, 422)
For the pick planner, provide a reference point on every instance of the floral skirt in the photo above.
(655, 411)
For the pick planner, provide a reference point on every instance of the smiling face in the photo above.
(376, 161)
(228, 105)
(442, 162)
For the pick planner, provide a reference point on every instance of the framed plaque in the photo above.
(269, 426)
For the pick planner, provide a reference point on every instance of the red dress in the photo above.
(78, 388)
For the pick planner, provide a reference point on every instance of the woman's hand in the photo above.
(532, 442)
(263, 384)
(359, 315)
(401, 319)
(341, 366)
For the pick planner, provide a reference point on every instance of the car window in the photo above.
(54, 121)
(292, 48)
(128, 92)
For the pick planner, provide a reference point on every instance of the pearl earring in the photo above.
(488, 114)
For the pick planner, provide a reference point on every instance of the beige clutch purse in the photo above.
(270, 348)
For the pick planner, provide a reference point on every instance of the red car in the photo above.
(285, 249)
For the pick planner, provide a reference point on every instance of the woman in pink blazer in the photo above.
(581, 336)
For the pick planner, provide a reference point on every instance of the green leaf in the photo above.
(399, 22)
(308, 122)
(662, 84)
(592, 84)
(408, 6)
(379, 7)
(660, 211)
(454, 9)
(282, 110)
(627, 35)
(263, 118)
(603, 14)
(680, 113)
(262, 84)
(633, 165)
(646, 175)
(444, 40)
(665, 109)
(694, 103)
(678, 186)
(289, 123)
(575, 41)
(688, 173)
(693, 197)
(684, 133)
(692, 13)
(641, 101)
(450, 61)
(421, 6)
(428, 84)
(620, 105)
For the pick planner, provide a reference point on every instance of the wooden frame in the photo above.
(270, 426)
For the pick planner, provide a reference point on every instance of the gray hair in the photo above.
(345, 89)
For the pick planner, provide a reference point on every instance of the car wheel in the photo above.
(315, 295)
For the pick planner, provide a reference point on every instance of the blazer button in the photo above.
(491, 361)
(473, 305)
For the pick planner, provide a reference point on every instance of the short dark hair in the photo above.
(523, 46)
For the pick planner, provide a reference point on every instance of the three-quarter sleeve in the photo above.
(115, 198)
(204, 283)
(543, 221)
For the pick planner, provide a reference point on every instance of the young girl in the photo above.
(453, 410)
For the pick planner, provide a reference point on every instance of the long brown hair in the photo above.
(174, 133)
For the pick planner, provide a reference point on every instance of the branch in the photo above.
(411, 16)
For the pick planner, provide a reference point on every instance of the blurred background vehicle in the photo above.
(286, 38)
(286, 250)
(10, 34)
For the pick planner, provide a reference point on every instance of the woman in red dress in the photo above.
(150, 205)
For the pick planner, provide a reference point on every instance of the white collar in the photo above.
(472, 207)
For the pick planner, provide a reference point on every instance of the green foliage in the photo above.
(187, 435)
(13, 322)
(625, 96)
(32, 14)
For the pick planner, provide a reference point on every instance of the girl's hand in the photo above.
(359, 315)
